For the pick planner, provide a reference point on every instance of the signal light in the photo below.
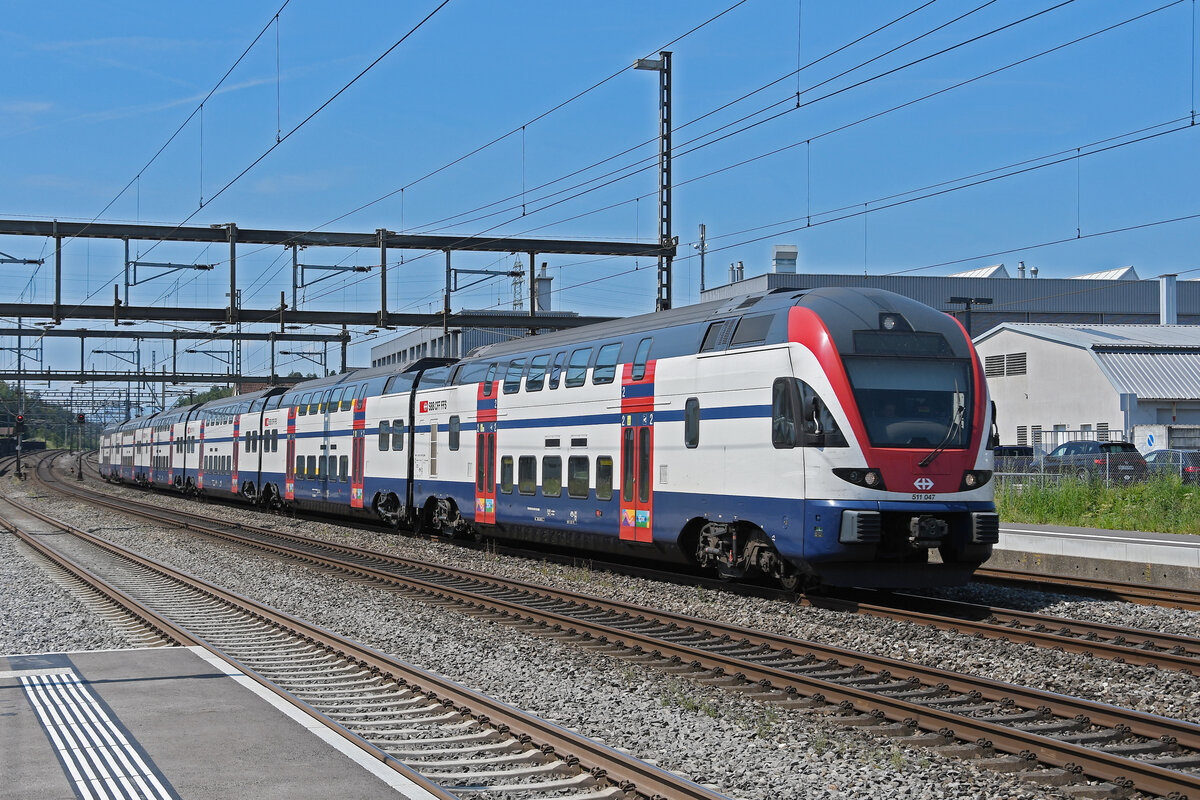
(79, 418)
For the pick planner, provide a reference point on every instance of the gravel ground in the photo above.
(747, 749)
(39, 616)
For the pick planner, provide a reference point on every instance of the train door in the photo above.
(328, 455)
(289, 467)
(637, 491)
(358, 444)
(485, 473)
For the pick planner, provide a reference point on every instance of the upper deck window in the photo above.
(577, 367)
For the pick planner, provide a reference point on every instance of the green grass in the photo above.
(1162, 504)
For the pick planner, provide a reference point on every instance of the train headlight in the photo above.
(889, 322)
(861, 476)
(974, 478)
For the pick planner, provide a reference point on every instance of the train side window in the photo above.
(821, 420)
(489, 382)
(506, 474)
(537, 373)
(578, 476)
(551, 476)
(752, 331)
(527, 475)
(455, 431)
(299, 466)
(783, 413)
(640, 359)
(606, 363)
(385, 435)
(556, 370)
(512, 378)
(302, 406)
(577, 367)
(691, 423)
(397, 434)
(344, 468)
(275, 440)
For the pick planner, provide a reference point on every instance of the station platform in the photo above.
(1153, 559)
(169, 722)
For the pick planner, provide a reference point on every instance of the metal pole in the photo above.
(271, 339)
(664, 183)
(532, 285)
(126, 272)
(57, 273)
(703, 247)
(233, 310)
(345, 345)
(383, 304)
(295, 277)
(446, 298)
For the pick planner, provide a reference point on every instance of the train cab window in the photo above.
(455, 431)
(489, 380)
(691, 423)
(552, 476)
(640, 359)
(512, 377)
(556, 370)
(606, 363)
(385, 435)
(577, 367)
(506, 474)
(527, 475)
(798, 414)
(397, 434)
(344, 468)
(537, 373)
(578, 477)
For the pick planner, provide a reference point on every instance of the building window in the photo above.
(691, 423)
(1023, 435)
(527, 475)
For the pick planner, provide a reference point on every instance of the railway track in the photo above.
(1010, 726)
(450, 741)
(1112, 642)
(1187, 599)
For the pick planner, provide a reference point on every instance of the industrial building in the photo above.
(1111, 297)
(1053, 383)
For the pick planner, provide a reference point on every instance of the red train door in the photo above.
(289, 475)
(358, 452)
(637, 453)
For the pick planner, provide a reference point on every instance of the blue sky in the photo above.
(94, 90)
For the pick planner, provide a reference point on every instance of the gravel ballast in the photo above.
(748, 749)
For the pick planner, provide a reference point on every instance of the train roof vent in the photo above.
(749, 301)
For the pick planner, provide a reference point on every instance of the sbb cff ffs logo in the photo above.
(924, 484)
(434, 405)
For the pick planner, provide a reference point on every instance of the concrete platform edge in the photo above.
(1166, 576)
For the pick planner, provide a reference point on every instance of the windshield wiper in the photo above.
(955, 424)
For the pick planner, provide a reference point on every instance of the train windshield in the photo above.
(913, 402)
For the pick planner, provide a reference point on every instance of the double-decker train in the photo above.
(835, 436)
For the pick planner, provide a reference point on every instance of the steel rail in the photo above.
(1096, 763)
(1115, 643)
(1187, 599)
(625, 771)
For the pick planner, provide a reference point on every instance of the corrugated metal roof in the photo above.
(1108, 337)
(994, 271)
(1154, 376)
(1118, 274)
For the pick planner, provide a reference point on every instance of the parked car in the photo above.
(1014, 458)
(1184, 463)
(1112, 461)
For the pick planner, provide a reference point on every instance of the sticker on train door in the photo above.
(637, 454)
(289, 475)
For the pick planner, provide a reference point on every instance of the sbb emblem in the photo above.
(924, 484)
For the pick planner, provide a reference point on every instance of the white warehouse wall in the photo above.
(1063, 385)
